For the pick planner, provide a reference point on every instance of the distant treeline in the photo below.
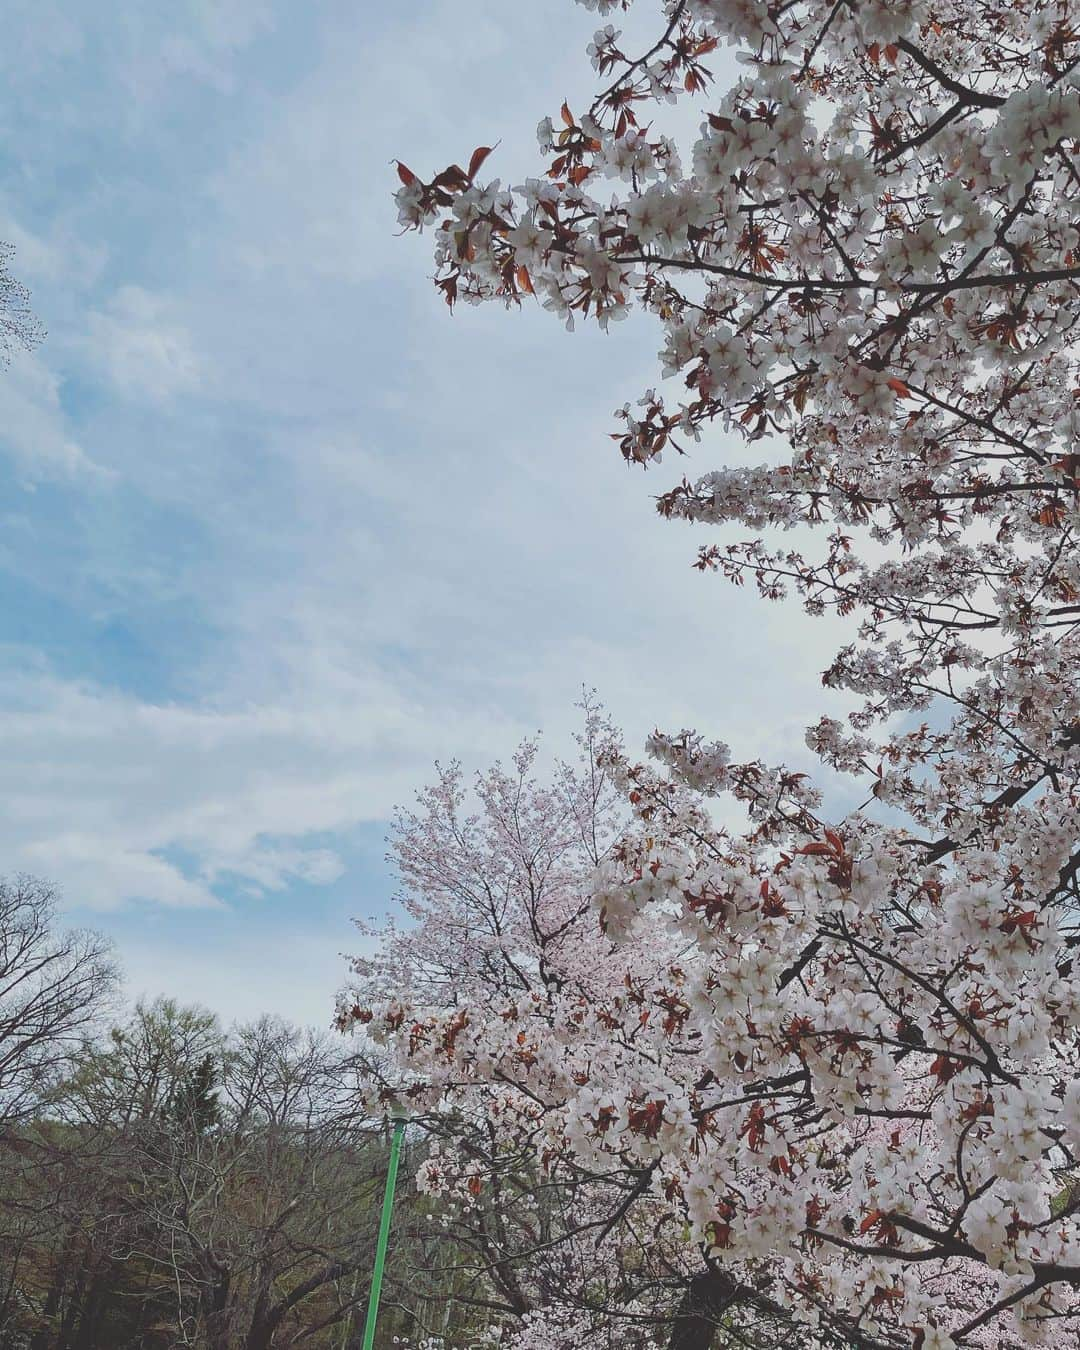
(165, 1183)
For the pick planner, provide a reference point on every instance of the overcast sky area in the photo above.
(278, 531)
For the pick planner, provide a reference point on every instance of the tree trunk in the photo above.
(215, 1306)
(705, 1300)
(267, 1319)
(95, 1308)
(261, 1329)
(61, 1266)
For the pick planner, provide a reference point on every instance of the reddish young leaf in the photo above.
(478, 156)
(835, 840)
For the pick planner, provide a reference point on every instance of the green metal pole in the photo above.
(384, 1235)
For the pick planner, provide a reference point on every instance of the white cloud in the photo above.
(34, 429)
(213, 34)
(98, 871)
(195, 40)
(271, 869)
(314, 192)
(105, 791)
(57, 255)
(294, 972)
(141, 345)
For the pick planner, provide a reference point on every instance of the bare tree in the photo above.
(259, 1188)
(53, 986)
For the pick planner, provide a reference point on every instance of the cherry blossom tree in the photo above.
(849, 1080)
(496, 893)
(494, 881)
(18, 325)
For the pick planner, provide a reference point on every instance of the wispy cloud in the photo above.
(35, 431)
(107, 791)
(141, 347)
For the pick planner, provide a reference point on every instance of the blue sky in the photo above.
(277, 532)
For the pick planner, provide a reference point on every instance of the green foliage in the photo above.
(194, 1104)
